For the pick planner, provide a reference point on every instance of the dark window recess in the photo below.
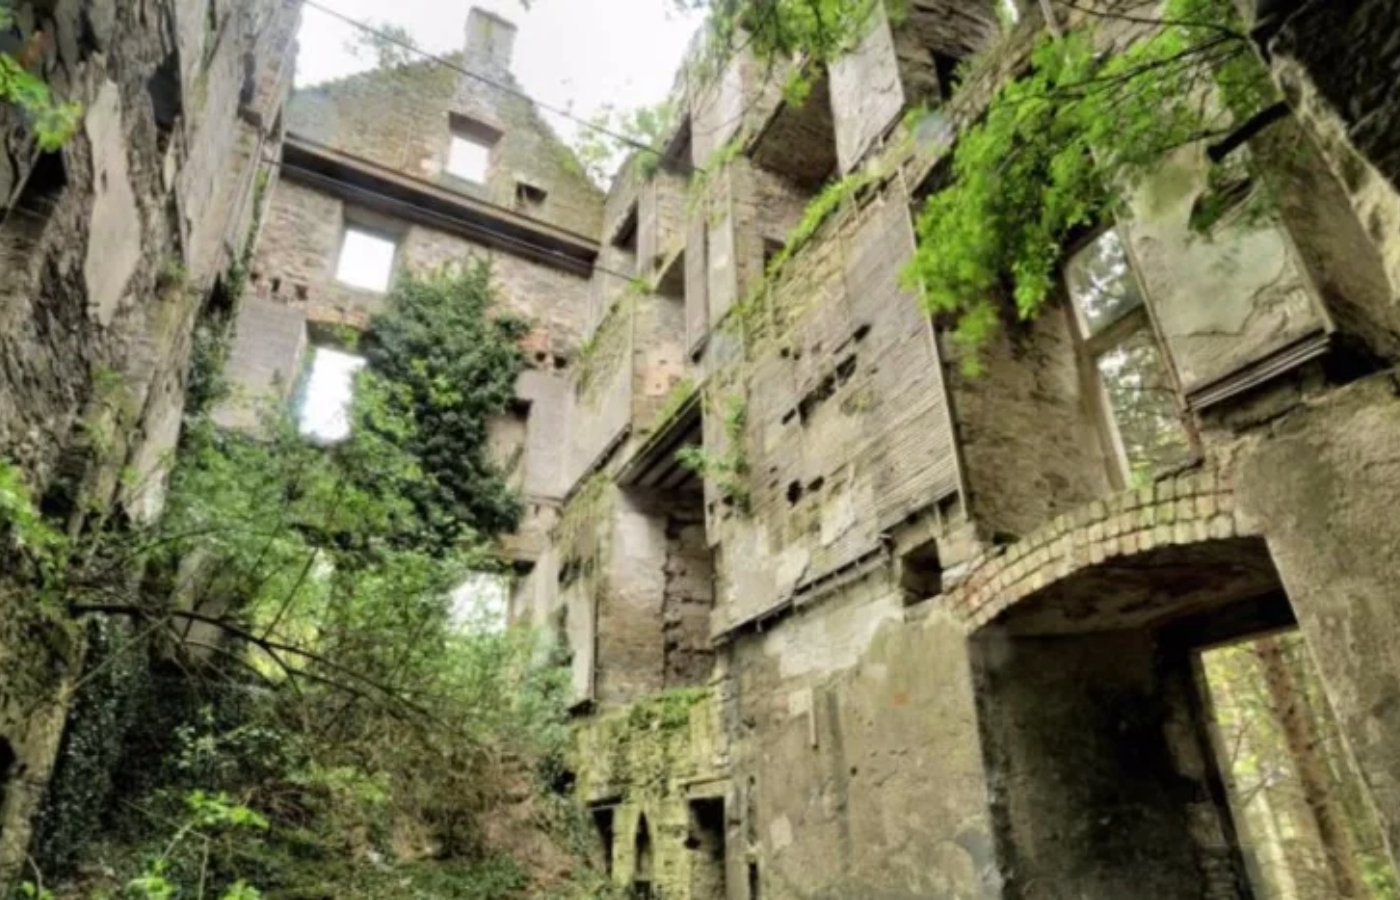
(921, 573)
(166, 99)
(754, 882)
(626, 236)
(642, 874)
(7, 766)
(794, 492)
(603, 822)
(946, 67)
(529, 197)
(23, 224)
(771, 249)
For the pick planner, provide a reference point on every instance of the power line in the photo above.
(388, 38)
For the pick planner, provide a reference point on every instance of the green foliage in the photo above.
(441, 363)
(729, 469)
(1059, 148)
(817, 31)
(350, 703)
(23, 527)
(611, 135)
(387, 45)
(53, 121)
(666, 711)
(676, 398)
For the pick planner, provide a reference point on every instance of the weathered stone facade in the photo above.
(954, 630)
(894, 631)
(109, 249)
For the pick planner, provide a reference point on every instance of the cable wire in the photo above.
(388, 38)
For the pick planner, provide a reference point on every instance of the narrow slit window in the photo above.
(324, 415)
(366, 260)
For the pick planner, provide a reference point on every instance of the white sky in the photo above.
(578, 54)
(326, 404)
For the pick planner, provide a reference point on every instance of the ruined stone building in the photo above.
(112, 249)
(842, 620)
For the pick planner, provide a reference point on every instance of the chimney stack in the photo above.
(490, 42)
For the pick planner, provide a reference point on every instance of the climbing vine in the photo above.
(52, 120)
(729, 469)
(1059, 148)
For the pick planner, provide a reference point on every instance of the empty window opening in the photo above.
(324, 412)
(1144, 421)
(948, 68)
(603, 824)
(706, 841)
(529, 198)
(164, 89)
(479, 603)
(921, 573)
(366, 260)
(22, 225)
(642, 862)
(771, 249)
(1305, 828)
(754, 882)
(7, 765)
(469, 152)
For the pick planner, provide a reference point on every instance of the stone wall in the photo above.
(109, 248)
(402, 118)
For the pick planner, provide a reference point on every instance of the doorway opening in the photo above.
(1153, 729)
(1306, 829)
(706, 843)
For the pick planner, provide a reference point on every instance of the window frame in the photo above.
(1092, 346)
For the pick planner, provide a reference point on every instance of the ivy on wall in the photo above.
(1059, 148)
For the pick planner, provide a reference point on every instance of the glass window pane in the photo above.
(1141, 394)
(468, 158)
(325, 404)
(1100, 282)
(366, 261)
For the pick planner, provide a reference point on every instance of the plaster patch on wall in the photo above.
(1224, 300)
(114, 240)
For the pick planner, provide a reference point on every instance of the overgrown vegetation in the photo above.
(52, 120)
(295, 698)
(1060, 148)
(729, 467)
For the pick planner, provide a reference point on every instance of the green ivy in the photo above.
(729, 470)
(441, 363)
(1059, 148)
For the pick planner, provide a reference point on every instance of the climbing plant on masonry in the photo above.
(1059, 148)
(729, 469)
(441, 364)
(52, 120)
(299, 615)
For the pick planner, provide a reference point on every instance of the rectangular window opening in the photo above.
(366, 260)
(1145, 417)
(1294, 795)
(324, 412)
(469, 152)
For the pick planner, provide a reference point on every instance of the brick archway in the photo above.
(1184, 524)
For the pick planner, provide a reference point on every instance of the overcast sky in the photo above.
(583, 53)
